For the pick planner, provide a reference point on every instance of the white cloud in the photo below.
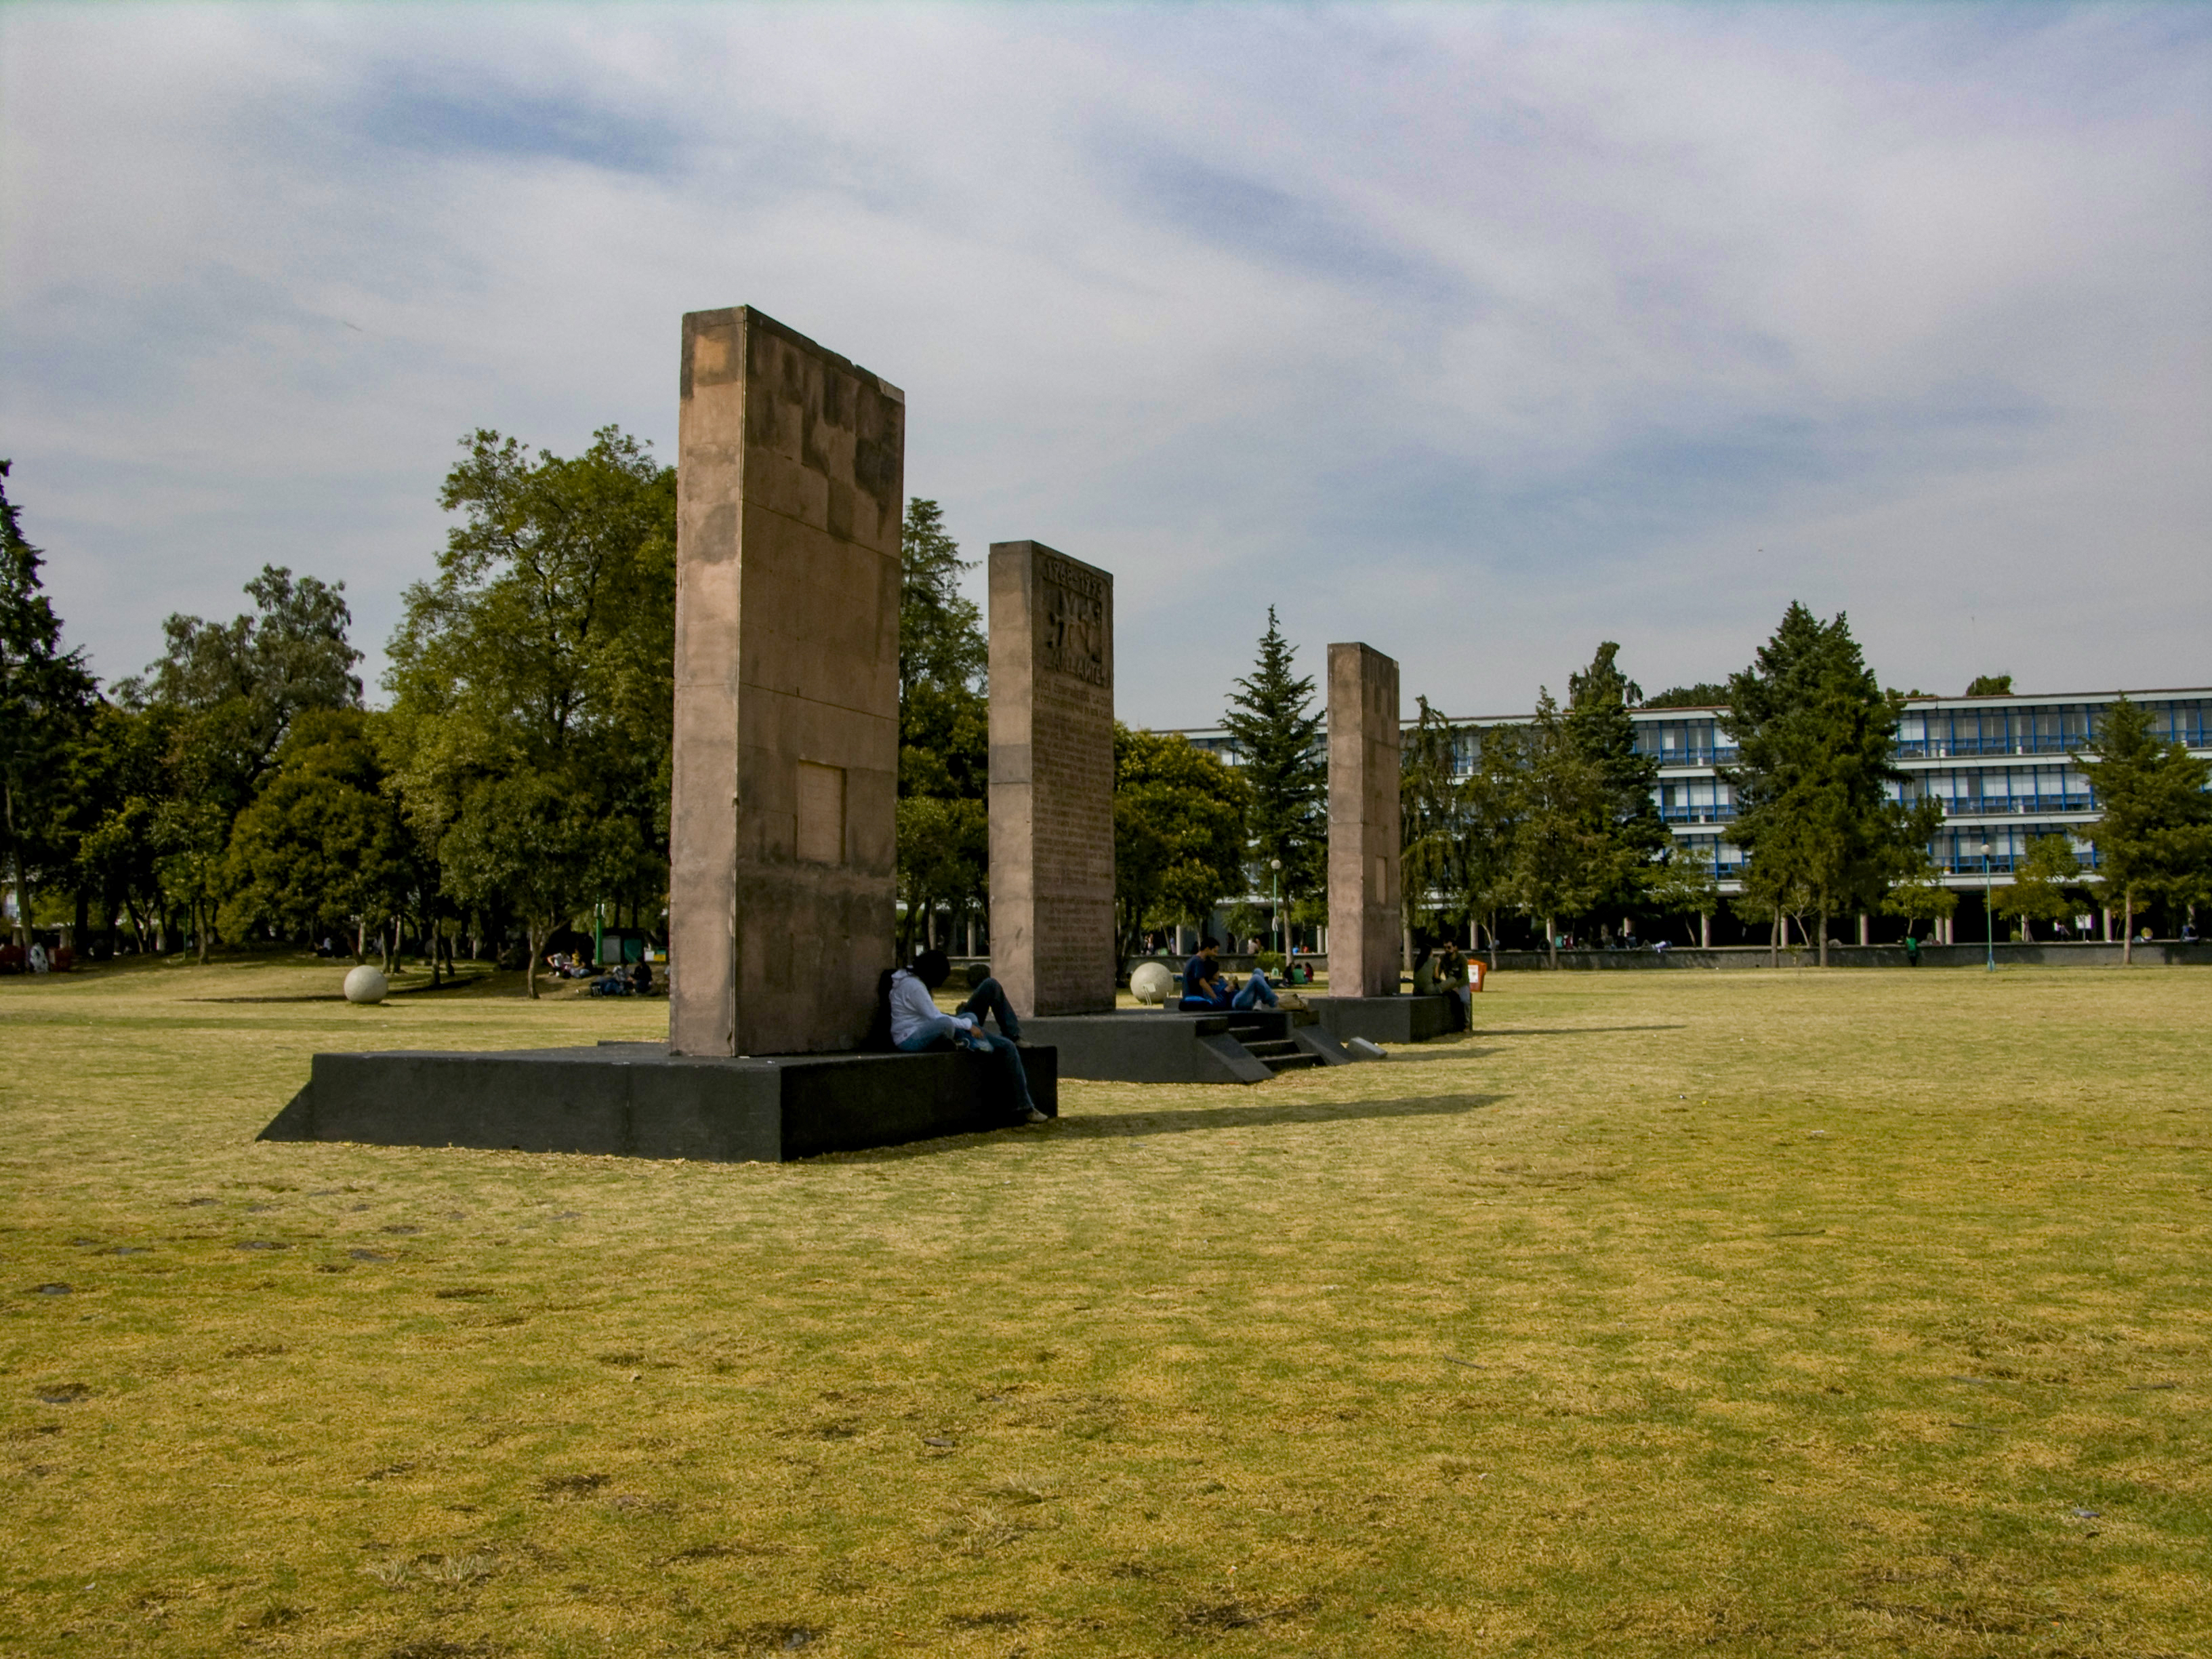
(1480, 334)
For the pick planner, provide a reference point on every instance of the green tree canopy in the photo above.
(1815, 736)
(945, 761)
(2045, 884)
(941, 639)
(243, 683)
(1706, 694)
(45, 704)
(2154, 838)
(532, 681)
(1564, 858)
(1989, 686)
(1277, 731)
(1179, 832)
(1598, 701)
(322, 845)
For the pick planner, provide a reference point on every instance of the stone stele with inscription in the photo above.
(1052, 780)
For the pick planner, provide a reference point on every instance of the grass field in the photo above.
(1744, 1314)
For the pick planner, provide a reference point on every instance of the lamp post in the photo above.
(1988, 908)
(1275, 878)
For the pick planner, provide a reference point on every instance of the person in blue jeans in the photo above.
(917, 1023)
(1205, 989)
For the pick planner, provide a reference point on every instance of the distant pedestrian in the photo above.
(1911, 951)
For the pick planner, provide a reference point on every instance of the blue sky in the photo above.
(1479, 333)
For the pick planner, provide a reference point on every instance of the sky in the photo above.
(1479, 333)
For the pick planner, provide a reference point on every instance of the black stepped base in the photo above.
(636, 1100)
(1144, 1045)
(1385, 1019)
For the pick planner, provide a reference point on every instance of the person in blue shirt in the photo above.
(1207, 989)
(917, 1023)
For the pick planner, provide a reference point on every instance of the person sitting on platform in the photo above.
(917, 1023)
(1207, 989)
(1451, 980)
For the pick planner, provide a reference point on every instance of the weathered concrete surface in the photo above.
(790, 472)
(1052, 780)
(637, 1100)
(1363, 822)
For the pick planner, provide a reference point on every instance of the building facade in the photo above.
(2002, 767)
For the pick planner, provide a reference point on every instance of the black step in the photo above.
(1270, 1047)
(1280, 1063)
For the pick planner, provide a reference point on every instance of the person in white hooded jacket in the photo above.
(918, 1023)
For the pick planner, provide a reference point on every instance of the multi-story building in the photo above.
(2001, 766)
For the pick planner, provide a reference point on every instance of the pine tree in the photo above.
(1277, 734)
(1564, 861)
(2154, 834)
(941, 629)
(45, 700)
(1815, 735)
(1598, 701)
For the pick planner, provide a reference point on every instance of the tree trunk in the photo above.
(529, 968)
(1824, 938)
(200, 928)
(2128, 931)
(1774, 940)
(1704, 930)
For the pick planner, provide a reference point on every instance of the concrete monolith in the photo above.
(1052, 780)
(1363, 822)
(782, 830)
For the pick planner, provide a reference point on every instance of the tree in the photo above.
(2153, 837)
(1276, 732)
(1565, 861)
(1683, 885)
(534, 678)
(1179, 832)
(1989, 686)
(944, 785)
(941, 639)
(1706, 694)
(1815, 735)
(45, 703)
(118, 778)
(1598, 701)
(2039, 890)
(1492, 798)
(1916, 891)
(324, 844)
(1431, 815)
(244, 681)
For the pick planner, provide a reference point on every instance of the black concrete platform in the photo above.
(1385, 1019)
(1149, 1045)
(635, 1100)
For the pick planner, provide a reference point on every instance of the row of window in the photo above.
(1937, 733)
(1953, 852)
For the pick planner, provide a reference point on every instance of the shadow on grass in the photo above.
(1133, 1125)
(1438, 1050)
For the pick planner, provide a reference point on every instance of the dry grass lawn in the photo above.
(1744, 1314)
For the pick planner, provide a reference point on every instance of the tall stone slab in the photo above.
(790, 475)
(1363, 822)
(1052, 780)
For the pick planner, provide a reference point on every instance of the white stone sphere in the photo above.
(366, 984)
(1152, 982)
